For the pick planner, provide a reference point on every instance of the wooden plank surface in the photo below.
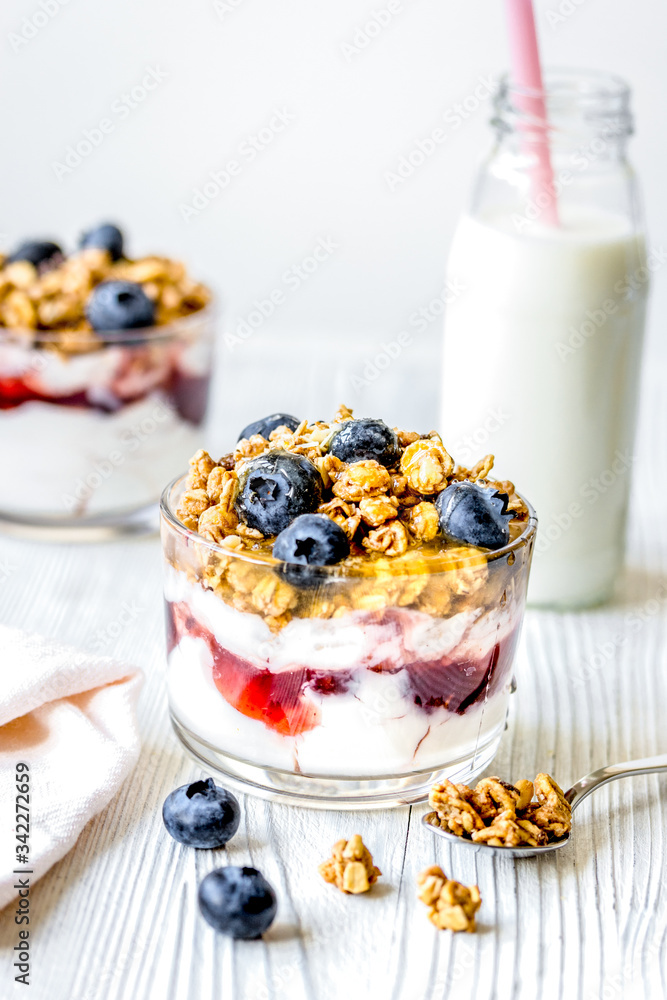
(117, 917)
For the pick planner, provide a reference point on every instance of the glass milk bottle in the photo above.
(543, 340)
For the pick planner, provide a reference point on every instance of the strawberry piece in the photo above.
(276, 699)
(14, 391)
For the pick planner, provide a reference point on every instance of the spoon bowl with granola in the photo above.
(521, 820)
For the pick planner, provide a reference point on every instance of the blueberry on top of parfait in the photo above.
(268, 424)
(104, 237)
(40, 253)
(119, 305)
(473, 514)
(365, 439)
(275, 488)
(310, 541)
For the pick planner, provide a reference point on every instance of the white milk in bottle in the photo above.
(543, 341)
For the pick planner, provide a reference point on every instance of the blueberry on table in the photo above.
(275, 488)
(119, 305)
(37, 252)
(310, 540)
(238, 902)
(268, 424)
(104, 237)
(365, 439)
(474, 514)
(201, 814)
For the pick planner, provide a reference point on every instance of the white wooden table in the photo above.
(117, 918)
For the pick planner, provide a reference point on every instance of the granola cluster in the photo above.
(350, 867)
(49, 303)
(381, 510)
(388, 514)
(452, 906)
(500, 814)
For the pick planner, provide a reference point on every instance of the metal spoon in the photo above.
(574, 795)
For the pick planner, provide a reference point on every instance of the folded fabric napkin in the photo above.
(70, 716)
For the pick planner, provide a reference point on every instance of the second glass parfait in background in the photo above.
(95, 418)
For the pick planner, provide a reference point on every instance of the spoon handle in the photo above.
(584, 787)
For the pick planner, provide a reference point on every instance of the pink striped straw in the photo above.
(527, 76)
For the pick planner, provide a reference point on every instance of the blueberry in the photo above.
(201, 814)
(119, 305)
(474, 514)
(360, 440)
(310, 540)
(275, 488)
(238, 901)
(38, 252)
(268, 424)
(104, 237)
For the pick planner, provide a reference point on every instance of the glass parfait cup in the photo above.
(346, 689)
(92, 426)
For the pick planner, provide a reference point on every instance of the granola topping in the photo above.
(388, 514)
(350, 867)
(361, 480)
(47, 305)
(500, 814)
(422, 521)
(451, 905)
(427, 466)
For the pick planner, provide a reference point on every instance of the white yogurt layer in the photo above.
(76, 461)
(339, 643)
(372, 729)
(54, 374)
(115, 369)
(95, 462)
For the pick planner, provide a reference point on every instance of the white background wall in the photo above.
(355, 112)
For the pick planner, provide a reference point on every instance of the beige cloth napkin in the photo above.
(71, 717)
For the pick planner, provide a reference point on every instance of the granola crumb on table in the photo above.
(500, 814)
(452, 906)
(350, 867)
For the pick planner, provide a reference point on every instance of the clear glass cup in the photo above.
(88, 437)
(549, 284)
(361, 690)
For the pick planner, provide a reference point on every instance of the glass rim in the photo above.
(26, 337)
(577, 102)
(590, 84)
(168, 514)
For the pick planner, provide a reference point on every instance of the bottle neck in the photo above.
(585, 111)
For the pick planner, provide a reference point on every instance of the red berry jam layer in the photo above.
(281, 700)
(186, 393)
